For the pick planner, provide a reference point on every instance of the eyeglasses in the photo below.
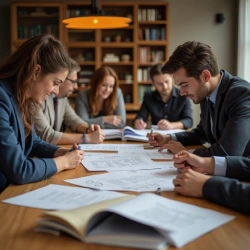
(74, 82)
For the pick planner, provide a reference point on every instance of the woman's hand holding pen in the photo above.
(184, 160)
(69, 160)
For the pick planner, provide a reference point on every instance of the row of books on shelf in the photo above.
(153, 34)
(84, 77)
(146, 54)
(149, 15)
(27, 31)
(143, 89)
(78, 12)
(143, 74)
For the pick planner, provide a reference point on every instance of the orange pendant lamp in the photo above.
(97, 20)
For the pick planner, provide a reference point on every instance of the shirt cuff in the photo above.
(173, 137)
(220, 167)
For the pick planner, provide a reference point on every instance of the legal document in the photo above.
(54, 197)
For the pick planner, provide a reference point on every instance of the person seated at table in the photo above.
(56, 113)
(223, 98)
(168, 110)
(103, 103)
(32, 73)
(220, 188)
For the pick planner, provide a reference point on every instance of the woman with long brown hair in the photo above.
(33, 72)
(103, 103)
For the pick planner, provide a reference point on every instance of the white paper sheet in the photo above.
(118, 162)
(138, 181)
(53, 197)
(153, 154)
(110, 147)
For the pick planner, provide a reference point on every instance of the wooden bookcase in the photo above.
(29, 19)
(142, 44)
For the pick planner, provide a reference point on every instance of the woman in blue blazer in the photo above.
(32, 73)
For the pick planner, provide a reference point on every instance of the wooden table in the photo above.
(17, 223)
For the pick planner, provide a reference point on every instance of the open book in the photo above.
(126, 134)
(130, 134)
(146, 221)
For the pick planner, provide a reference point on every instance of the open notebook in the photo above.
(130, 134)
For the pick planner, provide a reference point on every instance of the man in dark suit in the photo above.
(225, 191)
(224, 100)
(168, 110)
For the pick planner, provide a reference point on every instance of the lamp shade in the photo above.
(96, 22)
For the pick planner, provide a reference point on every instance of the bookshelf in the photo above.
(29, 19)
(130, 51)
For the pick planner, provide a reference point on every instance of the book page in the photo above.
(112, 133)
(181, 222)
(60, 197)
(141, 181)
(119, 231)
(78, 218)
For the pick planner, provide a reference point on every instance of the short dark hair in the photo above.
(155, 70)
(194, 57)
(73, 66)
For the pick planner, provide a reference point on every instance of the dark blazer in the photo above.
(231, 122)
(228, 192)
(178, 108)
(16, 153)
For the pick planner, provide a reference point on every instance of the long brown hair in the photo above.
(110, 103)
(44, 50)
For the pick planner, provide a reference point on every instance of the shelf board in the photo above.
(132, 107)
(152, 22)
(152, 42)
(118, 63)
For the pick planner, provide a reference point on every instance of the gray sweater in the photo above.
(82, 109)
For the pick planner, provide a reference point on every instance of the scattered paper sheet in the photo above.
(138, 181)
(153, 154)
(118, 162)
(59, 197)
(110, 147)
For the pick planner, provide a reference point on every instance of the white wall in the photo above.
(195, 20)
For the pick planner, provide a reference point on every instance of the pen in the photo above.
(158, 191)
(78, 148)
(151, 131)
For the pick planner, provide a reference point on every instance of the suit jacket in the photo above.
(18, 164)
(45, 119)
(231, 133)
(178, 108)
(228, 192)
(82, 109)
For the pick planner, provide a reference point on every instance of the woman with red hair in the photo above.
(103, 103)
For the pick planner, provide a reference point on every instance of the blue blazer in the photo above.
(22, 160)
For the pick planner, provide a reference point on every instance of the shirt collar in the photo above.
(213, 96)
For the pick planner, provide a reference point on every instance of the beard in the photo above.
(201, 94)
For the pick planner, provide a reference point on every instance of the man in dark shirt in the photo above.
(167, 108)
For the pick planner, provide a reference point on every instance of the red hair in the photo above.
(110, 103)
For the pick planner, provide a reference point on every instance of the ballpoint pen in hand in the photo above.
(78, 148)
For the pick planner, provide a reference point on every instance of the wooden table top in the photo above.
(17, 223)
